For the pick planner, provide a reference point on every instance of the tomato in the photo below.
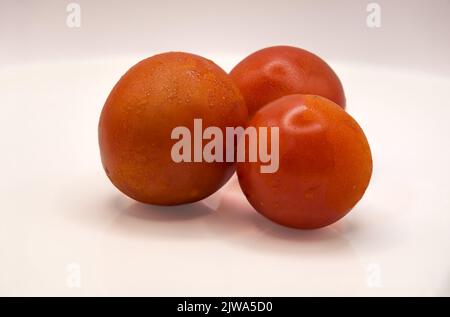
(325, 163)
(274, 72)
(153, 98)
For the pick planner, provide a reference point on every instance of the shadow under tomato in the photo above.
(222, 239)
(181, 213)
(227, 216)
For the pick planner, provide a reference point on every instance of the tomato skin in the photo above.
(325, 163)
(277, 71)
(156, 95)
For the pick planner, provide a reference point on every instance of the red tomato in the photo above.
(274, 72)
(155, 96)
(325, 163)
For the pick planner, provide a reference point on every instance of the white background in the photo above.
(62, 222)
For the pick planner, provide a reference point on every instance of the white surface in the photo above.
(58, 207)
(413, 34)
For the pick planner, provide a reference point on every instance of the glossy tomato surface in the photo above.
(274, 72)
(155, 96)
(325, 163)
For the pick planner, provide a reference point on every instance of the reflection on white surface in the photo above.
(63, 222)
(228, 249)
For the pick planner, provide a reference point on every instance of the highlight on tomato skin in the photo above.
(154, 97)
(325, 163)
(274, 72)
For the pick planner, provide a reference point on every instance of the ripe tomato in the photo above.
(325, 163)
(274, 72)
(155, 96)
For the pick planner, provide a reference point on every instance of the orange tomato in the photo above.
(274, 72)
(155, 96)
(325, 163)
